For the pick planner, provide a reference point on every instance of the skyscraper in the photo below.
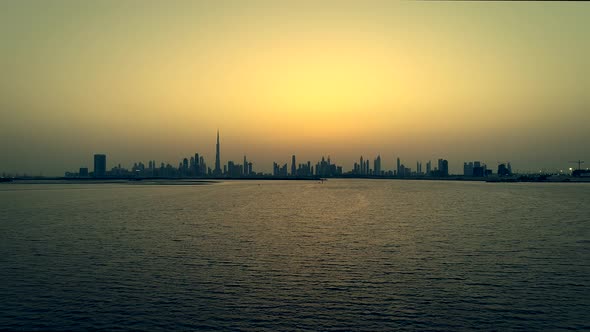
(293, 167)
(377, 166)
(100, 165)
(443, 167)
(217, 170)
(245, 172)
(362, 166)
(399, 169)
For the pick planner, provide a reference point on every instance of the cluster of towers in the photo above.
(195, 166)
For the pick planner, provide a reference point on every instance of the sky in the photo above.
(154, 80)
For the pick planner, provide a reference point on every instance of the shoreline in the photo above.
(213, 180)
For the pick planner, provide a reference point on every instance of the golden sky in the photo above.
(142, 80)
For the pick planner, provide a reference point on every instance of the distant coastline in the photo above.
(213, 180)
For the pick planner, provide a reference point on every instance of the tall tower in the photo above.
(100, 165)
(362, 166)
(377, 166)
(245, 172)
(217, 170)
(293, 167)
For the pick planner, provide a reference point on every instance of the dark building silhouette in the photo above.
(377, 166)
(203, 170)
(100, 165)
(443, 167)
(185, 168)
(246, 168)
(293, 168)
(279, 170)
(468, 169)
(479, 171)
(582, 173)
(234, 170)
(362, 166)
(504, 170)
(305, 169)
(217, 171)
(83, 172)
(474, 169)
(325, 168)
(419, 168)
(404, 171)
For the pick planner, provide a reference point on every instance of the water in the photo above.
(294, 255)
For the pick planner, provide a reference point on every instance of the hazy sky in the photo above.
(142, 80)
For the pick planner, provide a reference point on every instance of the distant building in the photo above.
(217, 170)
(406, 171)
(305, 169)
(362, 166)
(479, 171)
(401, 171)
(234, 170)
(503, 170)
(293, 167)
(246, 168)
(468, 169)
(100, 165)
(443, 167)
(474, 169)
(325, 168)
(83, 172)
(283, 170)
(278, 170)
(583, 173)
(377, 166)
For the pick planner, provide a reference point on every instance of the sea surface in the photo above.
(295, 255)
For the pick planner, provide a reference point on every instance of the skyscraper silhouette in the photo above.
(100, 165)
(217, 170)
(443, 167)
(377, 166)
(245, 171)
(293, 167)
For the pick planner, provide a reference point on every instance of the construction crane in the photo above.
(579, 162)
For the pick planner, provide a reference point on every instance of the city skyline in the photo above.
(363, 166)
(490, 81)
(195, 166)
